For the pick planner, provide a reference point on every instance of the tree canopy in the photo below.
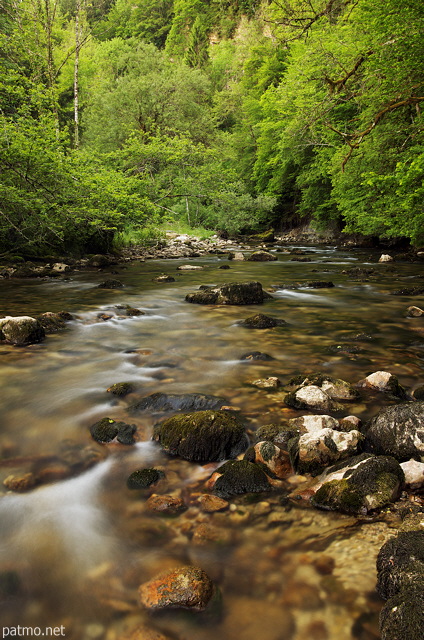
(232, 115)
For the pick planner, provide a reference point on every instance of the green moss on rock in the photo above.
(202, 436)
(239, 477)
(144, 478)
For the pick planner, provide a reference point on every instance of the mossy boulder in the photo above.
(261, 256)
(21, 330)
(400, 563)
(121, 389)
(359, 485)
(238, 477)
(51, 322)
(144, 478)
(232, 293)
(161, 402)
(397, 431)
(202, 436)
(106, 430)
(261, 321)
(402, 617)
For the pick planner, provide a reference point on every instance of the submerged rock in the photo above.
(260, 321)
(233, 293)
(21, 330)
(164, 278)
(237, 477)
(202, 436)
(267, 383)
(166, 504)
(110, 284)
(397, 431)
(414, 312)
(184, 588)
(106, 430)
(359, 485)
(255, 355)
(158, 402)
(144, 478)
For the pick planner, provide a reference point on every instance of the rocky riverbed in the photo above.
(193, 450)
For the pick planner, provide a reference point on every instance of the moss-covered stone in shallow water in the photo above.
(144, 478)
(202, 436)
(238, 477)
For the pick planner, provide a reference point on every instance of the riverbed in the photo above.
(74, 551)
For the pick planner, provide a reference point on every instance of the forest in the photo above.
(233, 115)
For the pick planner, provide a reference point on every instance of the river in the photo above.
(74, 552)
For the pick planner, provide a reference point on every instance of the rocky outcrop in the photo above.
(110, 284)
(202, 436)
(397, 431)
(233, 293)
(21, 330)
(184, 588)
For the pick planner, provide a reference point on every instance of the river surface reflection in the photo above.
(73, 552)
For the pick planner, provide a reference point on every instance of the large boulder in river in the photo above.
(202, 436)
(160, 402)
(385, 382)
(237, 293)
(398, 431)
(359, 485)
(21, 330)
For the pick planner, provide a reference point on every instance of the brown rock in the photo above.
(165, 504)
(206, 534)
(210, 504)
(144, 633)
(184, 588)
(21, 483)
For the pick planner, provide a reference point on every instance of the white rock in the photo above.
(414, 473)
(385, 258)
(314, 423)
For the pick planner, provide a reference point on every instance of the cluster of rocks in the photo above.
(24, 330)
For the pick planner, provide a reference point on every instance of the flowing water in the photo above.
(73, 552)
